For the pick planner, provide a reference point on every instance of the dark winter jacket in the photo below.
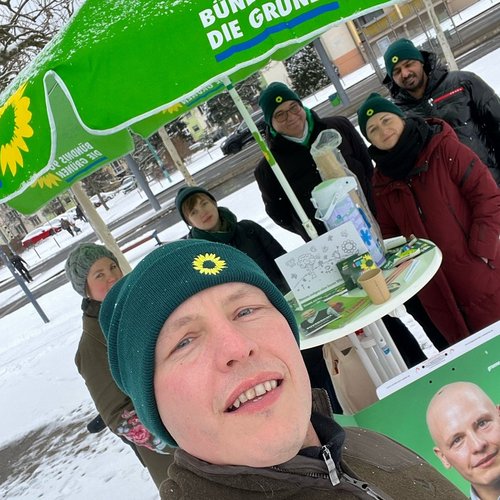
(463, 100)
(251, 239)
(451, 199)
(300, 170)
(113, 405)
(18, 262)
(366, 465)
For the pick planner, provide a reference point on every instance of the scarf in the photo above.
(226, 232)
(399, 162)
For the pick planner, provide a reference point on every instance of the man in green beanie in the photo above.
(207, 349)
(420, 85)
(292, 128)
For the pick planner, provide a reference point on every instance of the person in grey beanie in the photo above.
(92, 270)
(208, 350)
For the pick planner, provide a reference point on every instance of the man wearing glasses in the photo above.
(292, 128)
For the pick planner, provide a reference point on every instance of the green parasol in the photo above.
(134, 65)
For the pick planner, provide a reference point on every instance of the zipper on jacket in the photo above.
(451, 93)
(330, 465)
(417, 202)
(361, 485)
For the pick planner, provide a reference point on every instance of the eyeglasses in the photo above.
(282, 116)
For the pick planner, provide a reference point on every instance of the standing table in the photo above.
(388, 365)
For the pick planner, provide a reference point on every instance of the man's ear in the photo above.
(441, 457)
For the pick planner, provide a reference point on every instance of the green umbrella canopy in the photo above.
(136, 65)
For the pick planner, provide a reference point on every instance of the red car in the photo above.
(38, 234)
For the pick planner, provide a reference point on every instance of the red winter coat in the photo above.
(454, 202)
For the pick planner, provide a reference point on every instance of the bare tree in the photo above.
(26, 26)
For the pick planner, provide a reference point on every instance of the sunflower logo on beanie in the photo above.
(272, 96)
(401, 50)
(209, 264)
(374, 104)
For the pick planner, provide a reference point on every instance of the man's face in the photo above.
(467, 434)
(289, 118)
(409, 74)
(230, 383)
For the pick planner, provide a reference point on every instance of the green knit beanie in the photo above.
(272, 96)
(138, 305)
(80, 261)
(184, 193)
(400, 50)
(373, 105)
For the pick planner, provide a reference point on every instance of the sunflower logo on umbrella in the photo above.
(49, 181)
(15, 117)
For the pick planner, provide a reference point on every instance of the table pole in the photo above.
(365, 360)
(395, 352)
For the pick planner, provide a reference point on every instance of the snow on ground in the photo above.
(45, 405)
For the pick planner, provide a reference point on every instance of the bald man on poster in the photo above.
(465, 426)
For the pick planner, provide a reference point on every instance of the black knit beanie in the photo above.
(184, 193)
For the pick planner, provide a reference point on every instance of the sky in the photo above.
(42, 394)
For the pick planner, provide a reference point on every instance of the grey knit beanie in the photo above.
(135, 309)
(80, 261)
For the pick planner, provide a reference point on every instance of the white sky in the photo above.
(39, 383)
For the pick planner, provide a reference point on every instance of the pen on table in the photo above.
(411, 270)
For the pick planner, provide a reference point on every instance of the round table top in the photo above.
(428, 264)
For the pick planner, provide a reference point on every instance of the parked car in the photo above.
(242, 135)
(128, 184)
(38, 234)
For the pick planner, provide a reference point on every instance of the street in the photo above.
(231, 173)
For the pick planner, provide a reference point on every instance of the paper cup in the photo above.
(373, 283)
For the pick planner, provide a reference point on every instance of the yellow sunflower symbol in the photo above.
(367, 263)
(49, 181)
(209, 264)
(173, 109)
(15, 117)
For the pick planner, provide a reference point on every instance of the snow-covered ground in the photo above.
(40, 389)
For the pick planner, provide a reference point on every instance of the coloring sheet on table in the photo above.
(311, 269)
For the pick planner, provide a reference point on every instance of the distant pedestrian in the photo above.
(20, 264)
(79, 214)
(65, 224)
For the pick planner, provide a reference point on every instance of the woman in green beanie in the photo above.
(92, 271)
(208, 221)
(429, 184)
